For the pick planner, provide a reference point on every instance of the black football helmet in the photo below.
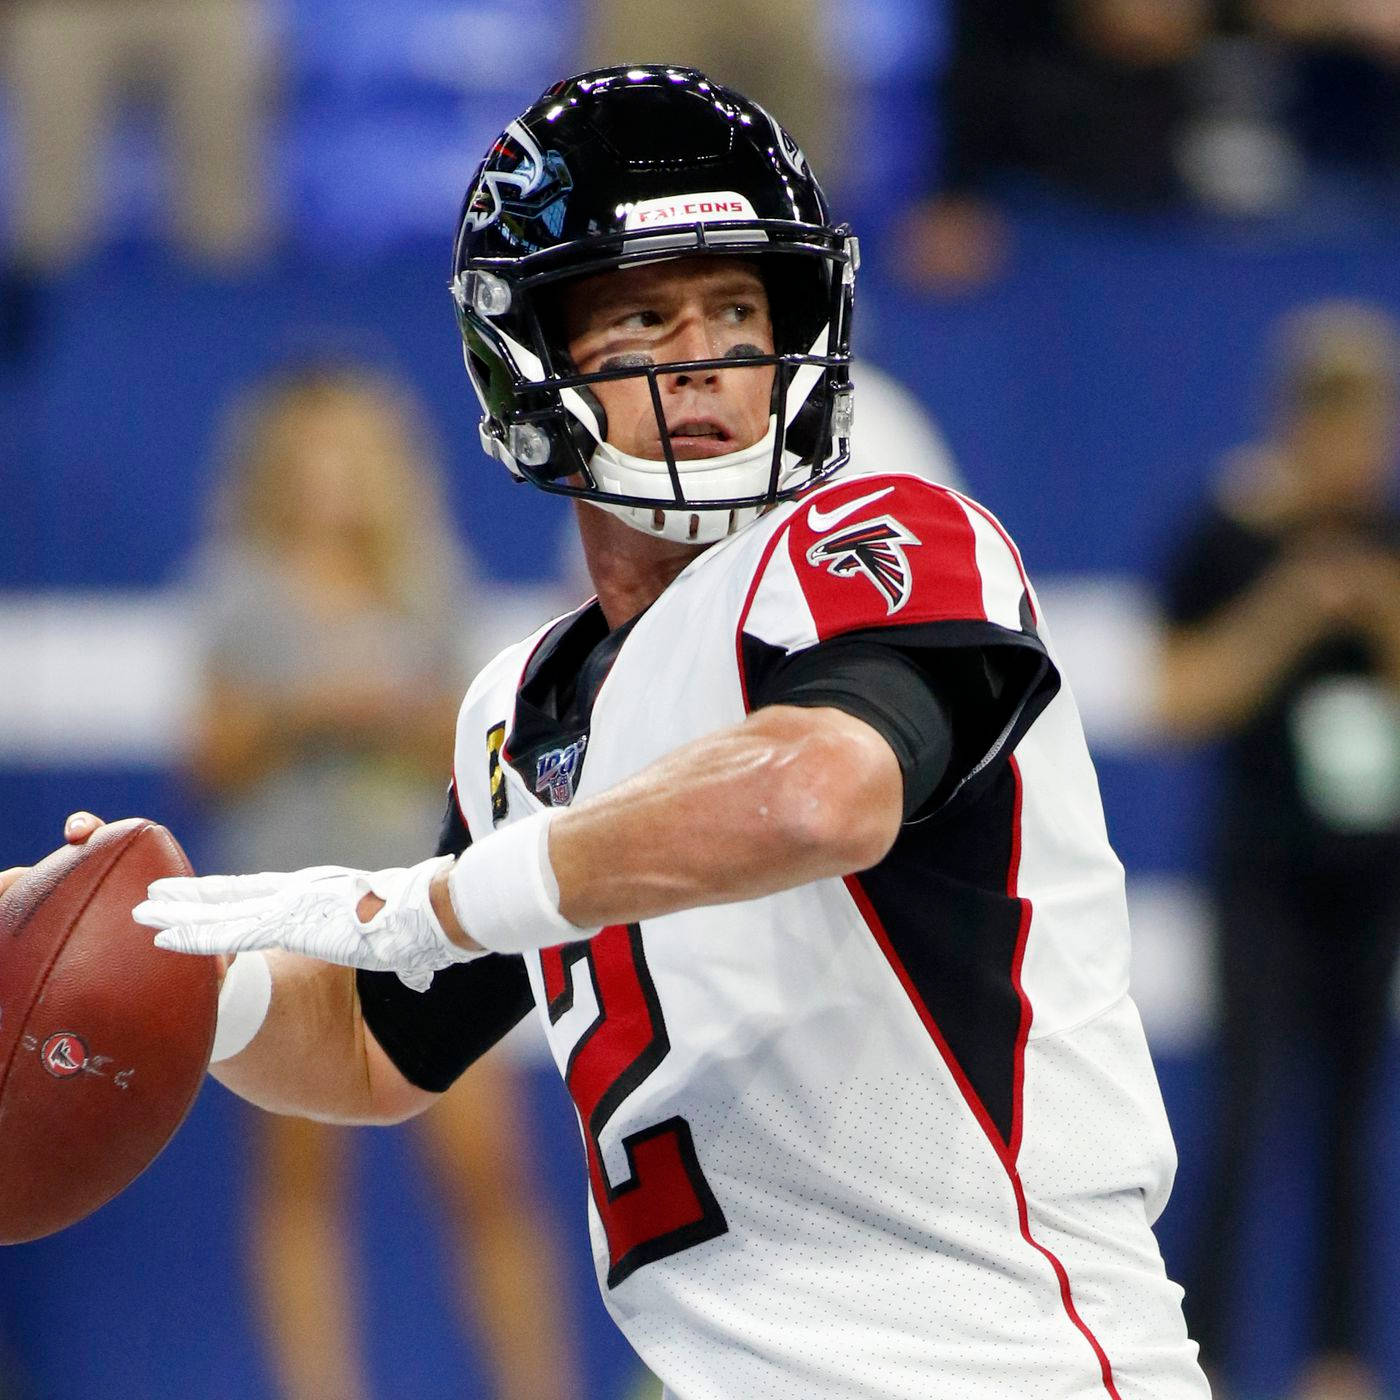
(630, 165)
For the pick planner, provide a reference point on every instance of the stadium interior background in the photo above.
(1087, 391)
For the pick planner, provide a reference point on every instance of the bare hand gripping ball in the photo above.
(104, 1038)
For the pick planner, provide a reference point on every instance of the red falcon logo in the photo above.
(64, 1055)
(874, 548)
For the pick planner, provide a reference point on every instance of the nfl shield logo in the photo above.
(556, 772)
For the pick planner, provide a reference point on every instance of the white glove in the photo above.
(311, 912)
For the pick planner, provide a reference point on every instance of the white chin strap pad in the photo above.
(742, 473)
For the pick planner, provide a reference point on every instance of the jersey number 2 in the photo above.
(665, 1205)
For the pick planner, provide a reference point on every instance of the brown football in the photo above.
(104, 1038)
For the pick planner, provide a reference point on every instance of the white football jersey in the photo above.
(896, 1135)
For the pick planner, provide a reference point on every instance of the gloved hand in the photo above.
(312, 912)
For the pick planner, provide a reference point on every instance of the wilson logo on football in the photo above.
(64, 1055)
(873, 549)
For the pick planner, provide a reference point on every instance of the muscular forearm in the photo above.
(314, 1023)
(788, 796)
(762, 807)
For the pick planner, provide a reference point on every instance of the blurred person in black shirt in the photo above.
(1284, 643)
(1346, 60)
(1226, 105)
(1086, 94)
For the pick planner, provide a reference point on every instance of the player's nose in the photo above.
(694, 339)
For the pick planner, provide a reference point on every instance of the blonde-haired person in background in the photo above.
(338, 605)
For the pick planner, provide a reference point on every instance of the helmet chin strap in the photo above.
(741, 473)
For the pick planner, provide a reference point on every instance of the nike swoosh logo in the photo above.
(819, 520)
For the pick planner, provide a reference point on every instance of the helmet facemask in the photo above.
(545, 421)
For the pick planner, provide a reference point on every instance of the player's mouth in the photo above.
(699, 437)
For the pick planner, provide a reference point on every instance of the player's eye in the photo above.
(642, 318)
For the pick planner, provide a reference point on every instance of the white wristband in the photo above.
(243, 1002)
(504, 891)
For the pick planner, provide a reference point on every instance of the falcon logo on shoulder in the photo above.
(872, 549)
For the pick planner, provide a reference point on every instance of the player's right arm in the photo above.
(313, 1055)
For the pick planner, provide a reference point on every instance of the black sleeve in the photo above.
(433, 1036)
(948, 707)
(1215, 562)
(885, 689)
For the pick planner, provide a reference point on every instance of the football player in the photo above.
(789, 836)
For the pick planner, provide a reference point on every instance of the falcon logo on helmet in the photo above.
(535, 189)
(873, 549)
(625, 166)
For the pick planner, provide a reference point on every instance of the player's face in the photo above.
(687, 309)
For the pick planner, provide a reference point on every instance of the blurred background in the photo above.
(1090, 229)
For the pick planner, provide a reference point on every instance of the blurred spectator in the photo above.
(1284, 642)
(69, 61)
(337, 602)
(1087, 94)
(773, 52)
(1369, 24)
(1347, 78)
(1135, 104)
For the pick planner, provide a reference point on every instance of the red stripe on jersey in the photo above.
(1013, 871)
(1023, 1214)
(924, 570)
(1006, 1153)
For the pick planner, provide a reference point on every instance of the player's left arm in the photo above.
(801, 790)
(788, 796)
(793, 793)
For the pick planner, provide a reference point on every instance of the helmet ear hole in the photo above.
(583, 438)
(802, 432)
(599, 412)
